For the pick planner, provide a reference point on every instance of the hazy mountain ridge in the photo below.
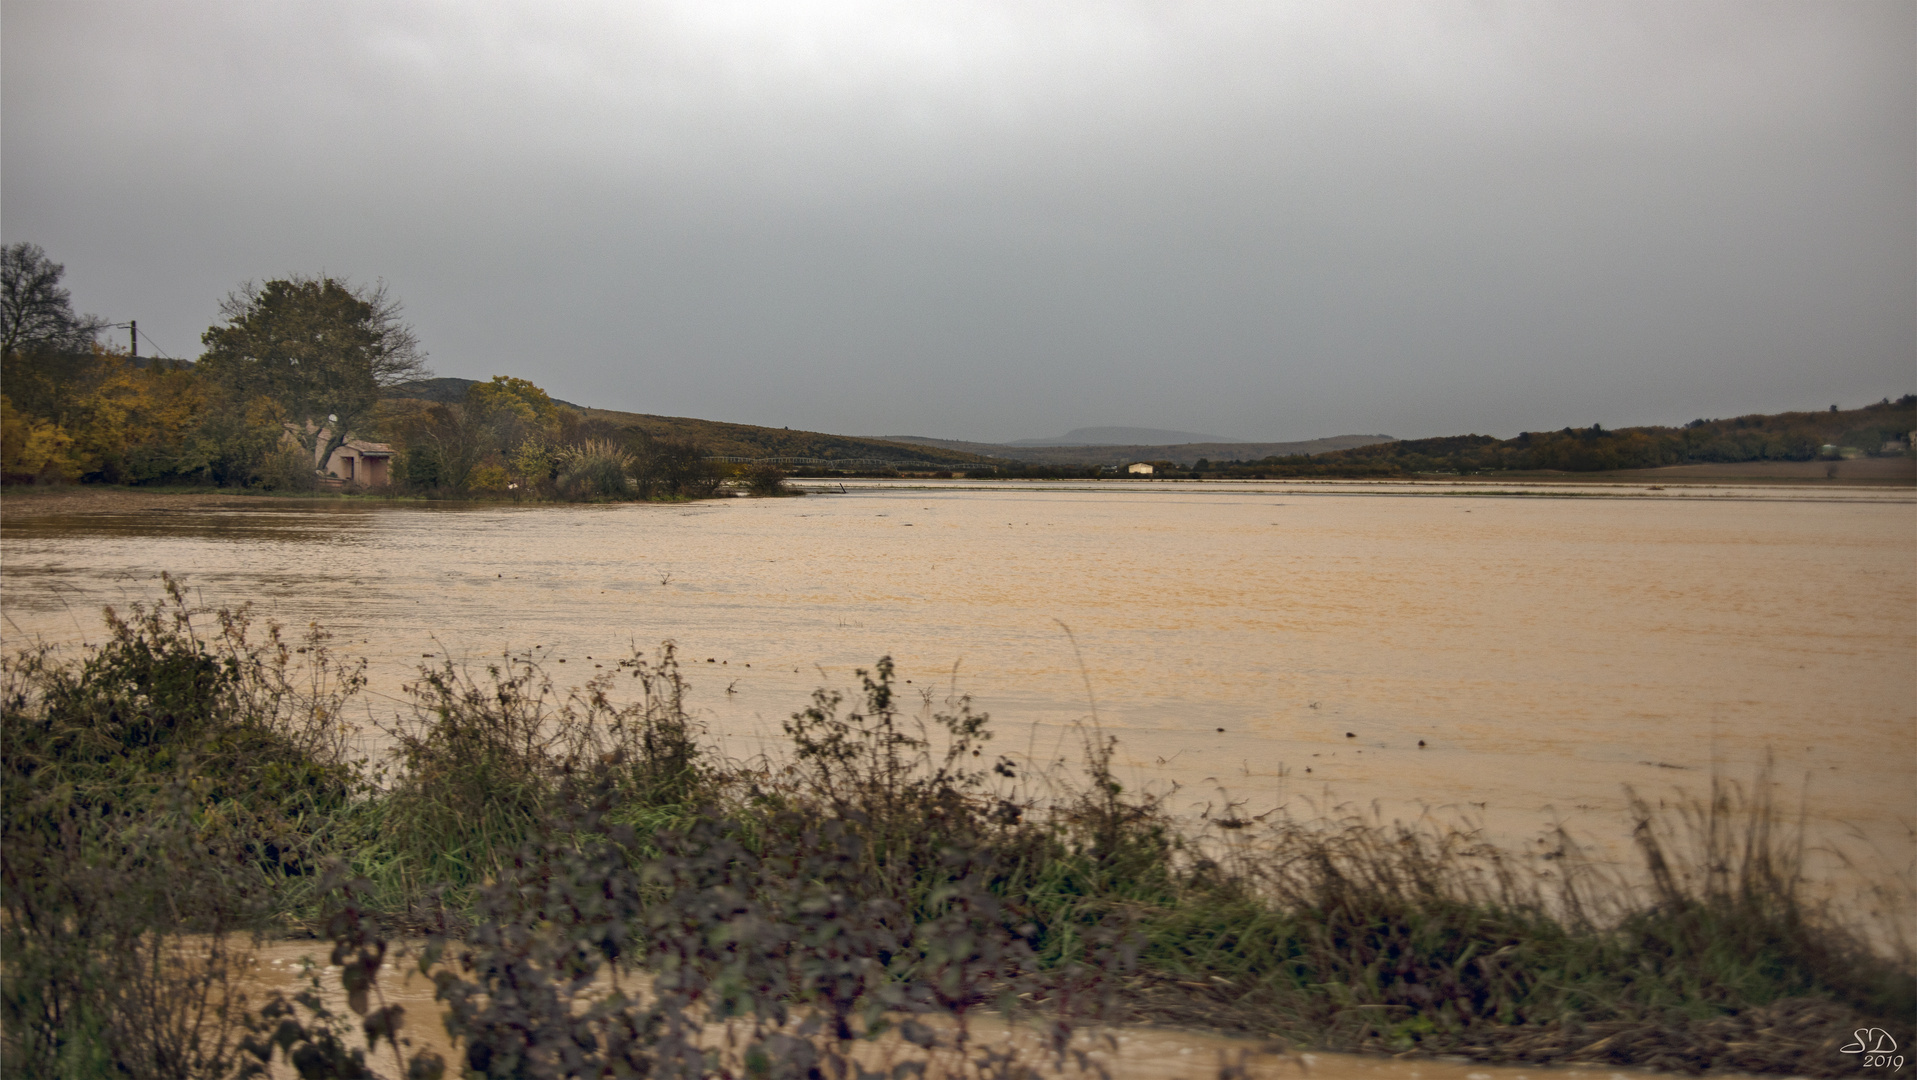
(1125, 436)
(750, 440)
(1184, 453)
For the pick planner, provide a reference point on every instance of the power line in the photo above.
(133, 327)
(157, 349)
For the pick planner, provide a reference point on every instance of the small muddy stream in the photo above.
(1130, 1053)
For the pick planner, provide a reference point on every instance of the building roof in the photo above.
(370, 449)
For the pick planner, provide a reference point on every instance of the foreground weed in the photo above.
(606, 896)
(171, 780)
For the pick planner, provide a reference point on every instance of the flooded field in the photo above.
(1514, 653)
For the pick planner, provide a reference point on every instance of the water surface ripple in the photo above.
(1549, 647)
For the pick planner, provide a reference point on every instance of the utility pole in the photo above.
(133, 333)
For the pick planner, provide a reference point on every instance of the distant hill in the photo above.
(748, 440)
(1123, 436)
(1183, 453)
(1832, 437)
(719, 438)
(445, 391)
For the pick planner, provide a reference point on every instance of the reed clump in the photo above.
(593, 469)
(605, 895)
(1415, 939)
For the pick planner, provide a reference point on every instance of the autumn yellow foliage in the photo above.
(98, 417)
(34, 447)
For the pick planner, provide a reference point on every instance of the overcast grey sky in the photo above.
(992, 221)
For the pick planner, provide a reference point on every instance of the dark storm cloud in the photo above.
(1003, 221)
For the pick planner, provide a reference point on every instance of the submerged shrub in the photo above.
(677, 467)
(288, 469)
(533, 464)
(765, 479)
(595, 468)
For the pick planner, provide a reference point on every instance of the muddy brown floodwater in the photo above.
(1130, 1053)
(1515, 653)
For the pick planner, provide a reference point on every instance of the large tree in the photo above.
(321, 348)
(36, 314)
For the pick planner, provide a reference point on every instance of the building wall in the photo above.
(347, 464)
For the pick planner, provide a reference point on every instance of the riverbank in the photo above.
(55, 499)
(890, 863)
(106, 499)
(1884, 471)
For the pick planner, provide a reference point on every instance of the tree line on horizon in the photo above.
(301, 366)
(298, 368)
(1880, 429)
